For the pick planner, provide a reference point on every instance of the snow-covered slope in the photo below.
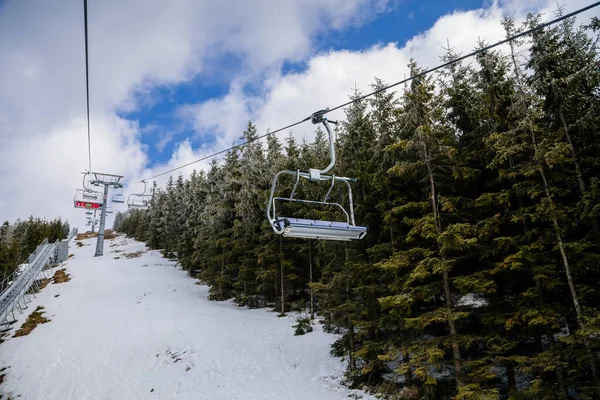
(139, 328)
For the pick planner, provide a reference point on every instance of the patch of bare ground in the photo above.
(86, 235)
(134, 255)
(34, 319)
(109, 234)
(42, 283)
(2, 376)
(71, 255)
(61, 276)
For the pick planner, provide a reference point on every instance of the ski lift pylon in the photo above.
(309, 228)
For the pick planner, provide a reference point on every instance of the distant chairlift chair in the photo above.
(139, 201)
(118, 197)
(87, 198)
(315, 229)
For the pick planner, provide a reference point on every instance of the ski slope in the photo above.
(140, 328)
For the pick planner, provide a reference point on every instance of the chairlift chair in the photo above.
(87, 198)
(135, 201)
(118, 197)
(309, 228)
(139, 201)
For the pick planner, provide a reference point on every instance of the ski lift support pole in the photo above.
(107, 180)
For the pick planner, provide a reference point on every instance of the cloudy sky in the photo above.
(171, 81)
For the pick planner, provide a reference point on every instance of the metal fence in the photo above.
(73, 233)
(16, 290)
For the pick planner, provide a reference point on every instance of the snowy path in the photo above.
(141, 329)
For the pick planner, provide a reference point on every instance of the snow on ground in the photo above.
(139, 328)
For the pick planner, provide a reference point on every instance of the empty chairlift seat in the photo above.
(118, 198)
(139, 201)
(310, 228)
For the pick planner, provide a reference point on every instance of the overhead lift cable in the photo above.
(419, 75)
(87, 82)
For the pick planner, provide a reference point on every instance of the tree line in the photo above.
(478, 278)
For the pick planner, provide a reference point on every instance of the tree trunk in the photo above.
(568, 136)
(222, 274)
(510, 374)
(451, 324)
(559, 372)
(282, 275)
(351, 360)
(408, 381)
(567, 268)
(446, 279)
(563, 252)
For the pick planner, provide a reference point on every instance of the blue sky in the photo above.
(159, 119)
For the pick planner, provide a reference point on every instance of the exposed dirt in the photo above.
(43, 283)
(61, 276)
(35, 318)
(86, 235)
(110, 234)
(134, 255)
